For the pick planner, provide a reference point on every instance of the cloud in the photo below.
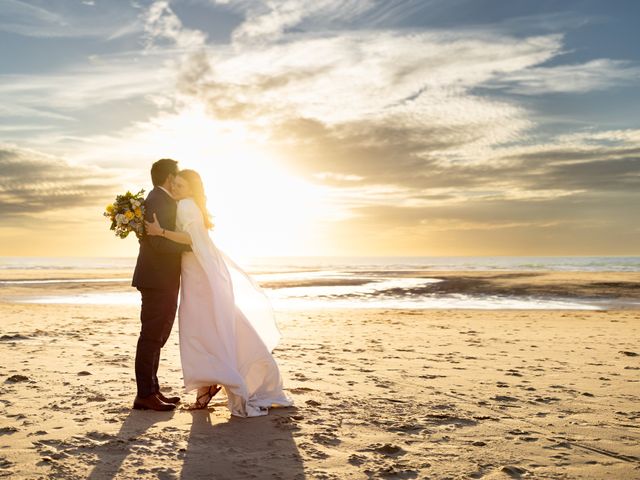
(34, 183)
(358, 74)
(597, 74)
(21, 17)
(68, 106)
(374, 103)
(535, 172)
(588, 210)
(267, 20)
(80, 87)
(394, 122)
(61, 19)
(110, 89)
(162, 24)
(403, 127)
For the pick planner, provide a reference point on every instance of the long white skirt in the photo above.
(224, 351)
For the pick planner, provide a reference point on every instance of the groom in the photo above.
(157, 277)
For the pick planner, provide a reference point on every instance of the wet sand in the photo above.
(606, 289)
(379, 394)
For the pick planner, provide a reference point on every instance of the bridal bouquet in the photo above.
(127, 214)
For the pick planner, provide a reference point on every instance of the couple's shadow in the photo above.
(112, 453)
(252, 448)
(258, 447)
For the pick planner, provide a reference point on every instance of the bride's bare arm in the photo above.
(155, 229)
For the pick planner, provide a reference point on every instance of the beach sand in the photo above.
(379, 394)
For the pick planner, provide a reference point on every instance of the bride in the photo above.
(227, 327)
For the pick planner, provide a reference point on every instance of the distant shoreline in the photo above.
(397, 289)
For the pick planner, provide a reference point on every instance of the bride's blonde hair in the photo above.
(197, 190)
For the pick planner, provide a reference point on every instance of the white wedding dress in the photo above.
(227, 327)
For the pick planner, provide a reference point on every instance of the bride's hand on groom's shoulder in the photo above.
(154, 228)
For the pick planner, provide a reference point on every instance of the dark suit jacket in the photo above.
(158, 264)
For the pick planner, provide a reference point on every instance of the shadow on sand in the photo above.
(112, 454)
(243, 448)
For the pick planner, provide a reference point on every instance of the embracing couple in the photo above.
(227, 328)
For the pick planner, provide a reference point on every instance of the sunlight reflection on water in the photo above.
(302, 302)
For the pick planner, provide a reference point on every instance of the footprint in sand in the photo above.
(446, 419)
(9, 338)
(5, 466)
(285, 423)
(628, 353)
(546, 399)
(355, 459)
(326, 438)
(312, 451)
(301, 390)
(514, 471)
(387, 449)
(392, 471)
(505, 398)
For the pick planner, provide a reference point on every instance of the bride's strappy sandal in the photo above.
(210, 393)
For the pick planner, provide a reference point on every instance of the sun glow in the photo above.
(258, 207)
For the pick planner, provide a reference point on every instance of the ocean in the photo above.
(321, 282)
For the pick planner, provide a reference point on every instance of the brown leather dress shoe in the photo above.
(152, 402)
(173, 400)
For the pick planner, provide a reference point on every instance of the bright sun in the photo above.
(258, 207)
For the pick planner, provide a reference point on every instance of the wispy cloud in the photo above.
(419, 130)
(268, 20)
(32, 183)
(60, 19)
(24, 18)
(412, 84)
(79, 88)
(580, 78)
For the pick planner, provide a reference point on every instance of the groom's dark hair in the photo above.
(161, 169)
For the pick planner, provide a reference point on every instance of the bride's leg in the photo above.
(204, 396)
(201, 391)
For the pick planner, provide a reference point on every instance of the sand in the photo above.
(379, 394)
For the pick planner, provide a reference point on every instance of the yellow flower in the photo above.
(110, 208)
(138, 212)
(128, 214)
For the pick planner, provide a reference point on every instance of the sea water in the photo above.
(319, 282)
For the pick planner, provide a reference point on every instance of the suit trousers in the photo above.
(157, 315)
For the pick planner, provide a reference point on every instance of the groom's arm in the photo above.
(162, 244)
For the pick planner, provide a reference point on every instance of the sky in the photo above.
(324, 127)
